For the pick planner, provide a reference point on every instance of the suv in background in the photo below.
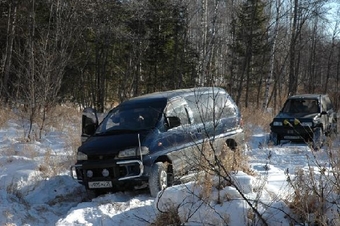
(152, 140)
(305, 117)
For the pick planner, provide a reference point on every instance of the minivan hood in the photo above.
(111, 144)
(283, 115)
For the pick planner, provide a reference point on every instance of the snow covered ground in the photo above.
(36, 189)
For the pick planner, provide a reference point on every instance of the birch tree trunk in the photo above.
(272, 55)
(203, 53)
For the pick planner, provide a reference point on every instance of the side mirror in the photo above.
(90, 129)
(173, 121)
(89, 123)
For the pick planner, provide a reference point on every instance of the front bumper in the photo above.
(106, 173)
(297, 132)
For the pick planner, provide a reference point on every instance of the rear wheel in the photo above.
(159, 178)
(334, 128)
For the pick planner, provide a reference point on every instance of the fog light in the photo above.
(296, 122)
(105, 172)
(89, 173)
(286, 122)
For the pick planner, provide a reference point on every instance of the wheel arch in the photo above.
(231, 143)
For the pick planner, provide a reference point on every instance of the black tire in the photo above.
(318, 138)
(158, 179)
(274, 138)
(334, 128)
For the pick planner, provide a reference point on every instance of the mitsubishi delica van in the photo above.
(150, 140)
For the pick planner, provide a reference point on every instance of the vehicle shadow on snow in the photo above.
(261, 141)
(287, 156)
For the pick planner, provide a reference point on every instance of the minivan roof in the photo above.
(171, 94)
(312, 96)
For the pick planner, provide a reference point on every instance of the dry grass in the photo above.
(5, 115)
(61, 117)
(207, 156)
(168, 217)
(256, 118)
(306, 201)
(235, 160)
(60, 121)
(68, 120)
(44, 120)
(315, 191)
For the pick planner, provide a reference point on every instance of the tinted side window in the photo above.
(210, 106)
(202, 106)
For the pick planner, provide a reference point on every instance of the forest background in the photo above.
(100, 52)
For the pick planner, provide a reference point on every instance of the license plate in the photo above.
(100, 184)
(290, 131)
(292, 137)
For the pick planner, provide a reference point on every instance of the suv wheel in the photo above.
(334, 128)
(274, 137)
(158, 179)
(318, 138)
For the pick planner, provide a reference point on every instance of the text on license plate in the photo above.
(100, 184)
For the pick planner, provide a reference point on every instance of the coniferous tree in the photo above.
(251, 49)
(169, 58)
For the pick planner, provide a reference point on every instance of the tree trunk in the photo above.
(7, 61)
(292, 83)
(272, 55)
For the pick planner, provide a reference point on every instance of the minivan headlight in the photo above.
(81, 156)
(132, 152)
(276, 123)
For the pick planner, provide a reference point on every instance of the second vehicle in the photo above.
(306, 117)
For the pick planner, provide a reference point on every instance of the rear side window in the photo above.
(227, 108)
(201, 105)
(211, 106)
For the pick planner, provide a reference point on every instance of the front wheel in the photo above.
(318, 138)
(159, 178)
(274, 138)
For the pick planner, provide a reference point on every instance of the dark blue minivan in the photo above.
(151, 140)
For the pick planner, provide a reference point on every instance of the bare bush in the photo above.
(168, 217)
(316, 189)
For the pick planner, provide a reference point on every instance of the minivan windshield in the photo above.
(130, 119)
